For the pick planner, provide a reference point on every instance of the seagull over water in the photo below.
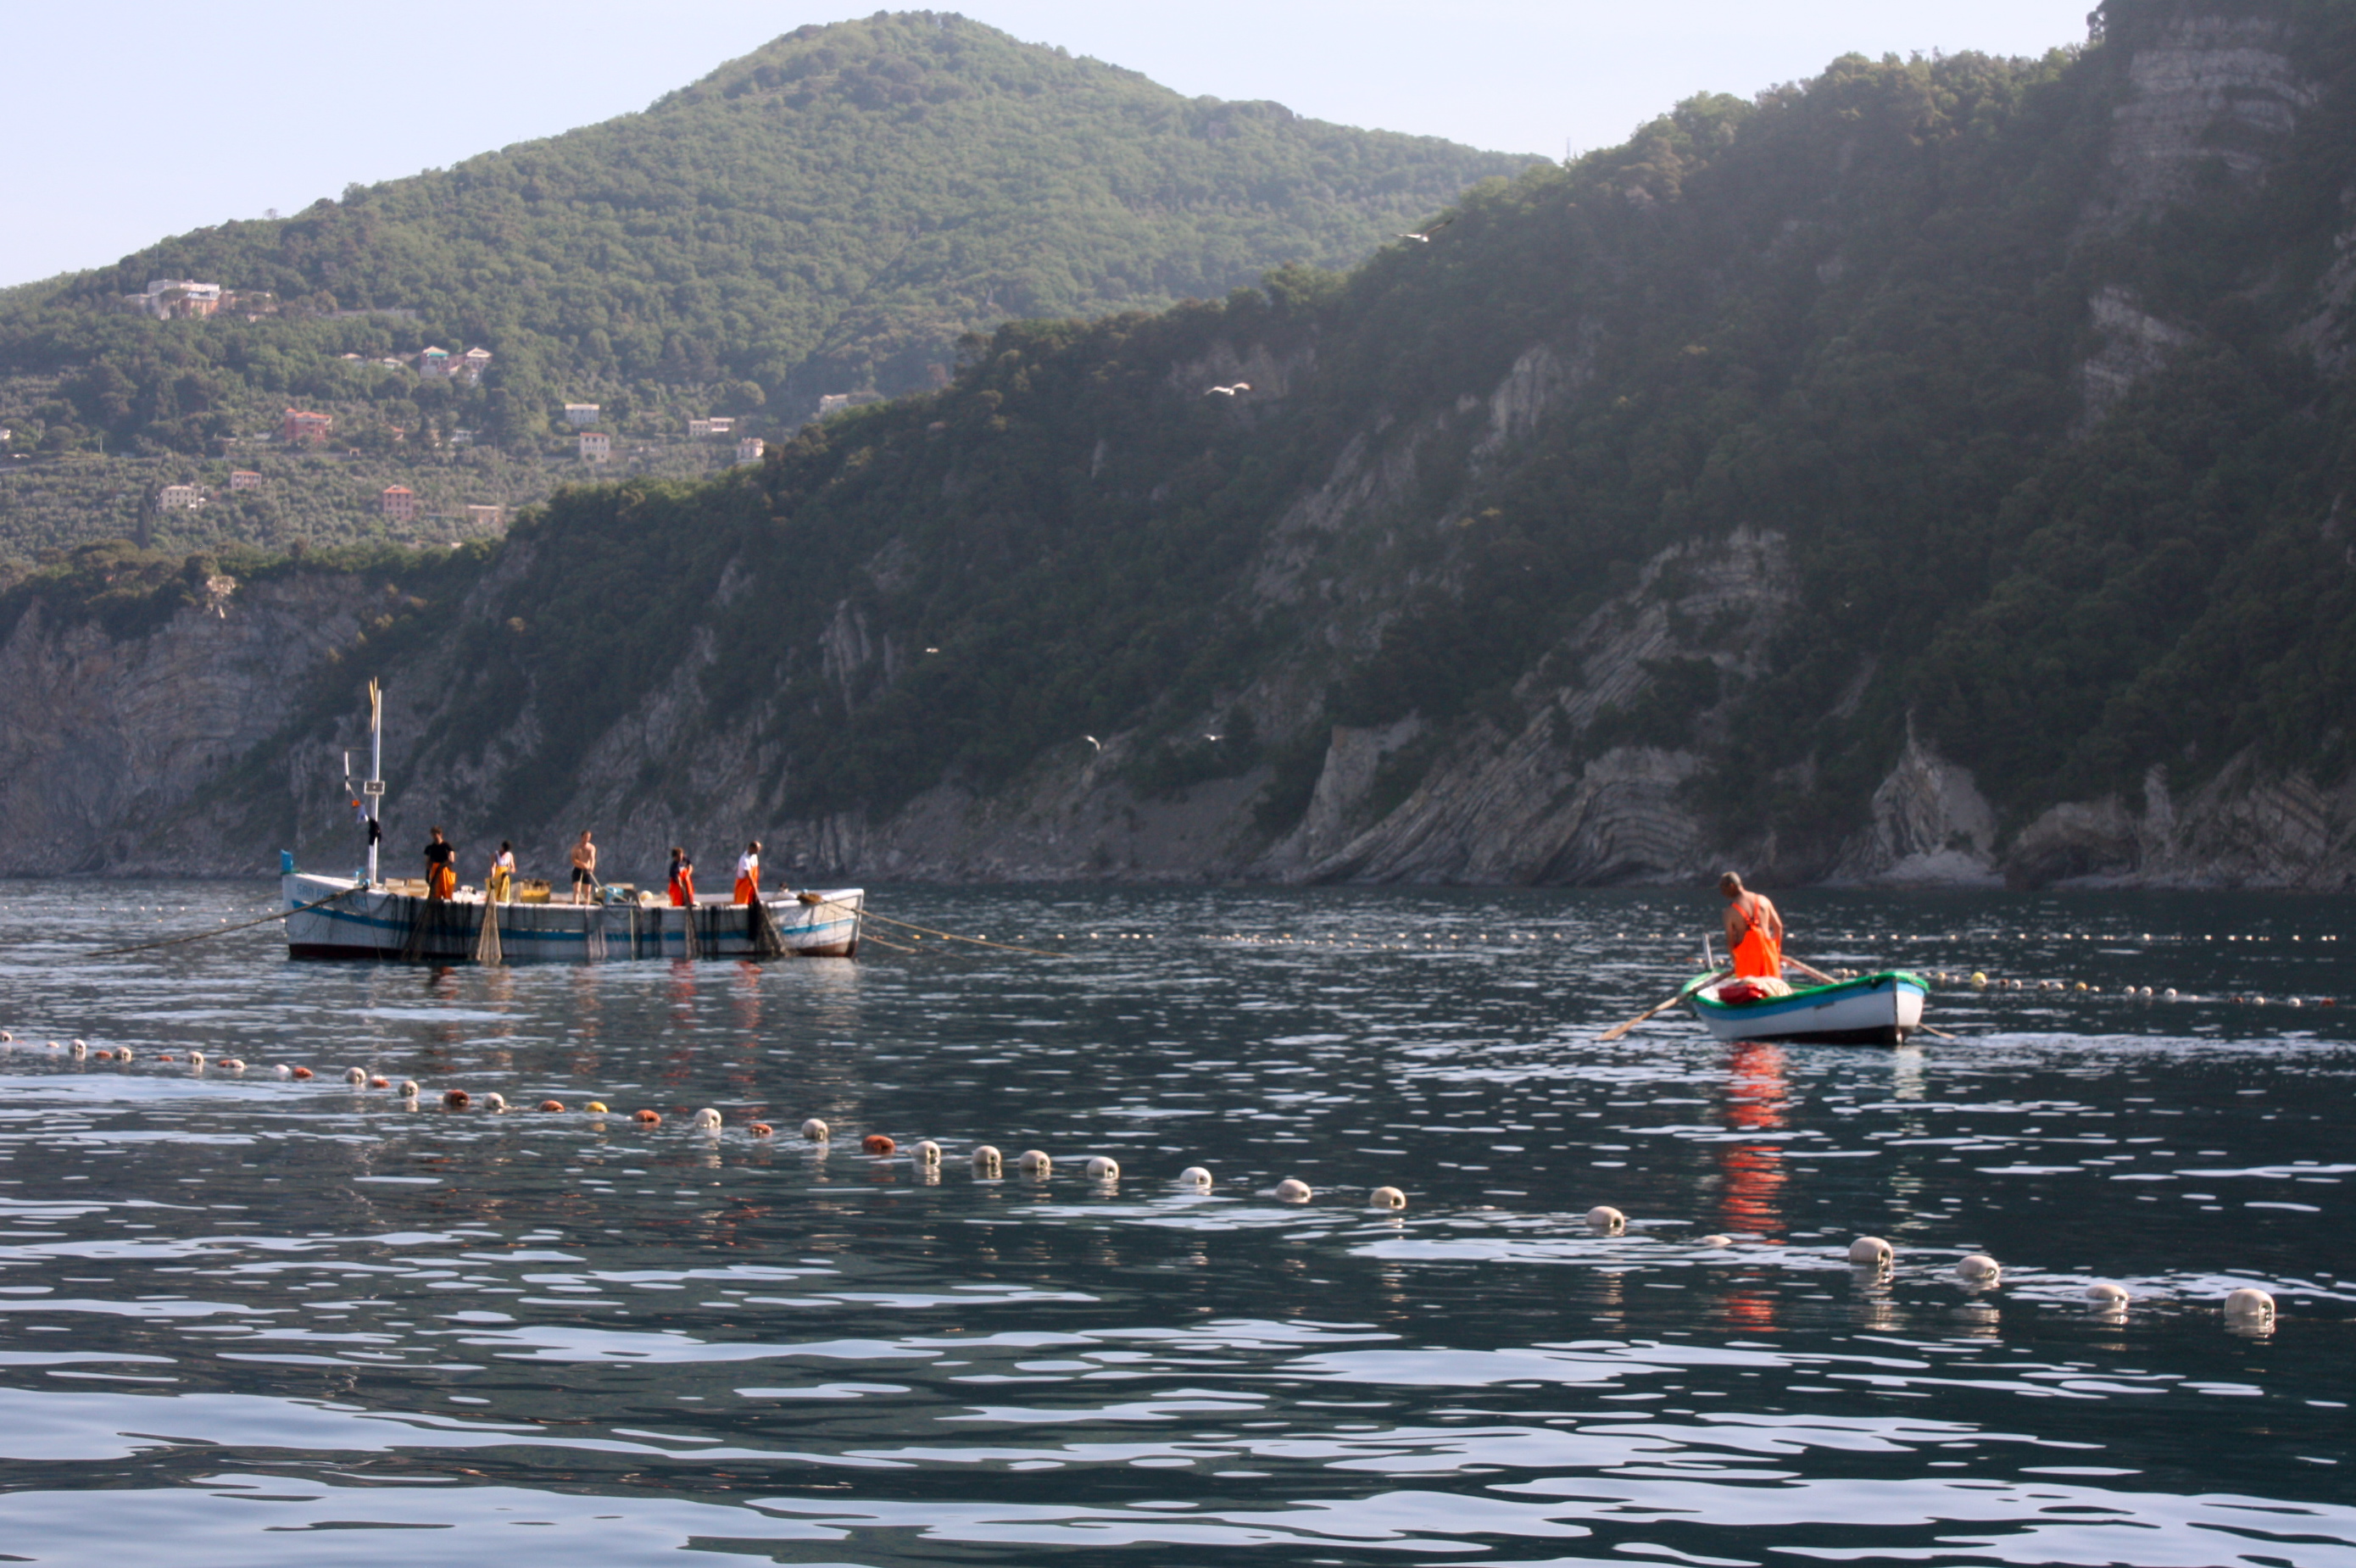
(1425, 238)
(1226, 391)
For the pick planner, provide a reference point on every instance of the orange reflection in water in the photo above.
(1751, 1194)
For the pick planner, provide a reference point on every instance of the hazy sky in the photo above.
(129, 122)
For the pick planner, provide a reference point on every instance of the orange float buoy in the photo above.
(456, 1099)
(876, 1143)
(651, 1118)
(551, 1104)
(595, 1108)
(379, 1082)
(302, 1072)
(168, 1056)
(761, 1129)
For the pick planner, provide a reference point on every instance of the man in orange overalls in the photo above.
(1754, 932)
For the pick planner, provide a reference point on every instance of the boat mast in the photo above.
(374, 788)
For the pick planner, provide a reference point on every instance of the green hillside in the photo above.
(825, 216)
(1877, 317)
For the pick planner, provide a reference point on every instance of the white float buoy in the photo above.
(1714, 1240)
(1605, 1219)
(1102, 1168)
(1979, 1268)
(196, 1059)
(928, 1153)
(1871, 1252)
(494, 1101)
(1387, 1198)
(815, 1131)
(282, 1071)
(80, 1048)
(2170, 993)
(231, 1065)
(986, 1161)
(1292, 1190)
(707, 1120)
(2249, 1306)
(1035, 1162)
(407, 1085)
(354, 1075)
(1195, 1176)
(2105, 1296)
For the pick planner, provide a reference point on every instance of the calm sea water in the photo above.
(250, 1321)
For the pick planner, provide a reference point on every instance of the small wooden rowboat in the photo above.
(1882, 1009)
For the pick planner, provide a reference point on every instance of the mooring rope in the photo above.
(224, 931)
(953, 936)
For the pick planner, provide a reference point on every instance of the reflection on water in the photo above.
(275, 1322)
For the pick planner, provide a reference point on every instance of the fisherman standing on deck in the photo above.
(584, 871)
(1754, 932)
(441, 868)
(499, 886)
(682, 878)
(748, 874)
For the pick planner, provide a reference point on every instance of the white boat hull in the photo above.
(1873, 1010)
(336, 917)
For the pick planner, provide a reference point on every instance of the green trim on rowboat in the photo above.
(1698, 981)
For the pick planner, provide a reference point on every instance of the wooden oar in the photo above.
(1616, 1031)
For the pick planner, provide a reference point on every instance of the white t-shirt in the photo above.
(748, 865)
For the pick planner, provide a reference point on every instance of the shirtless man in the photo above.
(1754, 930)
(584, 871)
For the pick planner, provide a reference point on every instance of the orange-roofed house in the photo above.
(299, 428)
(399, 501)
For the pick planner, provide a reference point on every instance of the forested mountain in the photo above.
(826, 215)
(1935, 469)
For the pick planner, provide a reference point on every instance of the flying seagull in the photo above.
(1226, 391)
(1092, 741)
(1425, 238)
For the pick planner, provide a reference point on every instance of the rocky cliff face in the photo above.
(108, 741)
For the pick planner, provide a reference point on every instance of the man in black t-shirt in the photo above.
(441, 868)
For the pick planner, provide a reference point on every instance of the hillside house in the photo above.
(176, 299)
(399, 501)
(301, 428)
(698, 430)
(580, 414)
(597, 446)
(434, 362)
(832, 403)
(244, 479)
(489, 520)
(750, 449)
(469, 367)
(179, 497)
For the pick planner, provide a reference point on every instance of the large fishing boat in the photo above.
(1880, 1008)
(364, 916)
(351, 917)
